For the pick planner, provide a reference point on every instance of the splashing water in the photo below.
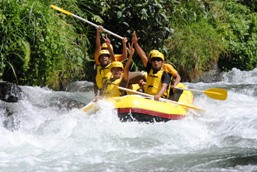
(39, 133)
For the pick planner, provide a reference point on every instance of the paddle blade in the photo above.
(216, 93)
(61, 10)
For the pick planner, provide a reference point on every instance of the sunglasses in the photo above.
(156, 59)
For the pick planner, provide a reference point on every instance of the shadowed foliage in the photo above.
(40, 46)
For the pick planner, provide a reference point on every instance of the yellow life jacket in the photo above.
(102, 74)
(111, 88)
(169, 69)
(154, 83)
(133, 87)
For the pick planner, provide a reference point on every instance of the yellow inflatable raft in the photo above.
(144, 109)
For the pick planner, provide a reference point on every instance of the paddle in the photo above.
(162, 99)
(215, 93)
(88, 106)
(89, 103)
(70, 14)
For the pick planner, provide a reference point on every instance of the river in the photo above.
(43, 135)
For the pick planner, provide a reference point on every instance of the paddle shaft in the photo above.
(200, 91)
(162, 99)
(189, 89)
(80, 18)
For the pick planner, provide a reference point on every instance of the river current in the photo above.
(43, 134)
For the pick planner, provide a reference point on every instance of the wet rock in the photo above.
(212, 75)
(10, 92)
(82, 86)
(65, 103)
(8, 120)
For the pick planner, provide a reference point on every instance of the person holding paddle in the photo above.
(175, 77)
(102, 75)
(157, 82)
(119, 77)
(102, 72)
(103, 57)
(108, 46)
(170, 69)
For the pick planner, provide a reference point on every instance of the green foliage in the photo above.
(38, 46)
(185, 12)
(148, 18)
(241, 38)
(230, 24)
(194, 49)
(250, 3)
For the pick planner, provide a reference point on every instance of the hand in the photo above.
(124, 40)
(134, 38)
(131, 50)
(100, 29)
(157, 97)
(107, 40)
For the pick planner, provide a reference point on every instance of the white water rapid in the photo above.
(42, 135)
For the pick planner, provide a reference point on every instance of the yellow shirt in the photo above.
(169, 68)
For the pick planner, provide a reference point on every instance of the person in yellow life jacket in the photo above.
(102, 72)
(119, 77)
(157, 82)
(175, 78)
(108, 46)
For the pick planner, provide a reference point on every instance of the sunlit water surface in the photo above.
(42, 134)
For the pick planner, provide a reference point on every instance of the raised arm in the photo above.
(128, 63)
(139, 50)
(124, 48)
(98, 42)
(108, 43)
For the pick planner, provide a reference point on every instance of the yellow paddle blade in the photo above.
(216, 93)
(61, 10)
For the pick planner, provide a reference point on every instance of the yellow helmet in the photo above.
(116, 64)
(103, 52)
(157, 55)
(151, 52)
(104, 46)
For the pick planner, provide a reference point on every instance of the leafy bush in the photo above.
(241, 38)
(38, 46)
(194, 49)
(148, 18)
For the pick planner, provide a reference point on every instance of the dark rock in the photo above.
(10, 92)
(212, 75)
(82, 86)
(66, 103)
(8, 119)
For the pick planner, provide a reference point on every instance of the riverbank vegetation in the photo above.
(40, 46)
